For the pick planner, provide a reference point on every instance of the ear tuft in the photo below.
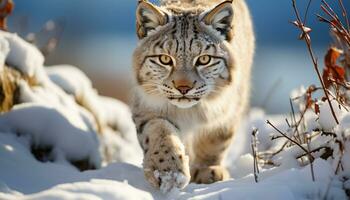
(148, 17)
(220, 18)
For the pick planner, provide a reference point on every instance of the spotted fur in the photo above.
(200, 103)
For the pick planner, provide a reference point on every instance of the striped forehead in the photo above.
(184, 39)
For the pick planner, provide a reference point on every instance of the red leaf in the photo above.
(317, 108)
(332, 72)
(308, 96)
(6, 7)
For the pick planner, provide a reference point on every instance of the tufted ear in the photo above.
(220, 18)
(148, 17)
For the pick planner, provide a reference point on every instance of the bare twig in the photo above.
(294, 142)
(307, 40)
(271, 154)
(301, 117)
(254, 151)
(307, 11)
(311, 163)
(287, 122)
(345, 15)
(295, 121)
(335, 22)
(311, 158)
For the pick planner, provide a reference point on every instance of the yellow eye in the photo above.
(203, 60)
(165, 60)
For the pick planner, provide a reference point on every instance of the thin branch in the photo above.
(296, 143)
(345, 15)
(335, 22)
(311, 163)
(311, 158)
(271, 154)
(329, 10)
(307, 11)
(254, 151)
(294, 120)
(301, 117)
(287, 122)
(314, 61)
(339, 30)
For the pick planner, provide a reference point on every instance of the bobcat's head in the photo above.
(183, 54)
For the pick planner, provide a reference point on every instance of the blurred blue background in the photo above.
(98, 36)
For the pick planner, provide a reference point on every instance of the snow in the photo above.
(126, 180)
(4, 50)
(110, 114)
(50, 128)
(30, 56)
(66, 116)
(171, 181)
(327, 121)
(94, 189)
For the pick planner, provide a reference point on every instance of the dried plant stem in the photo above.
(345, 15)
(308, 140)
(335, 21)
(295, 121)
(275, 152)
(311, 158)
(312, 151)
(254, 151)
(307, 11)
(290, 139)
(339, 165)
(314, 61)
(301, 117)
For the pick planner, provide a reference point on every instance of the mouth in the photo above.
(183, 102)
(183, 98)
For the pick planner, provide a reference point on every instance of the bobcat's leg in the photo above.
(165, 163)
(208, 149)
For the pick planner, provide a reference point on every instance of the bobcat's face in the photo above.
(183, 55)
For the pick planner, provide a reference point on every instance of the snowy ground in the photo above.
(23, 177)
(65, 116)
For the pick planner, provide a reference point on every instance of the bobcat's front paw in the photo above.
(209, 174)
(166, 166)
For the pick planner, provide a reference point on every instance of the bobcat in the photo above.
(192, 71)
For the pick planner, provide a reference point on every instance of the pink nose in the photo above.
(183, 89)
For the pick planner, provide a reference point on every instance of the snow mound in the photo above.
(118, 181)
(51, 129)
(4, 50)
(58, 110)
(113, 117)
(22, 55)
(93, 190)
